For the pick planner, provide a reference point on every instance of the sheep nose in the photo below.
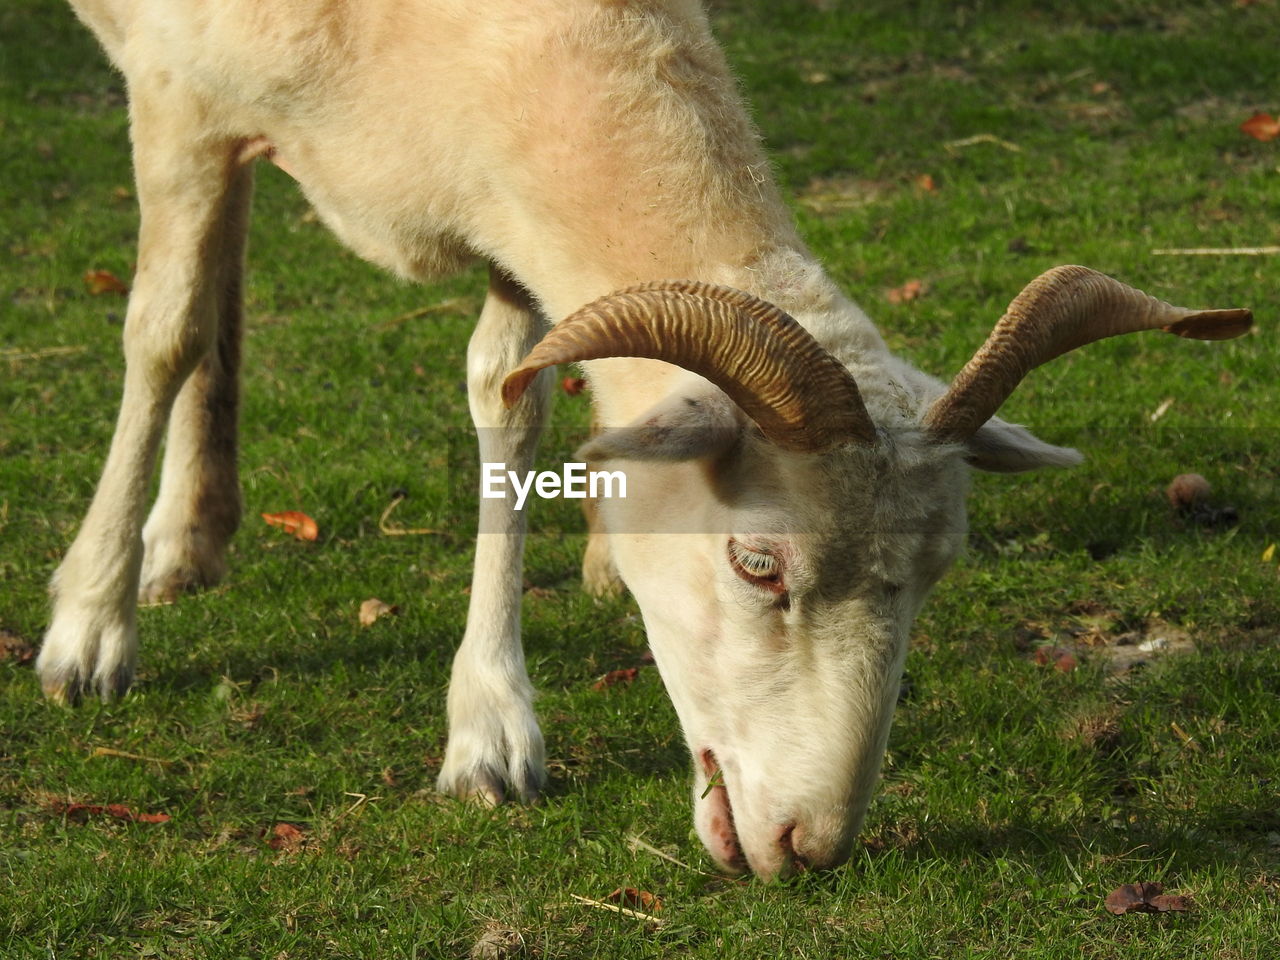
(789, 838)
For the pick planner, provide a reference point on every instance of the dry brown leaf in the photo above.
(1261, 126)
(288, 837)
(926, 183)
(1145, 898)
(295, 522)
(1186, 490)
(82, 812)
(374, 609)
(104, 281)
(1062, 659)
(124, 813)
(615, 677)
(911, 290)
(634, 899)
(13, 647)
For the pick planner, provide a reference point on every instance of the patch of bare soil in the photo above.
(1098, 635)
(825, 195)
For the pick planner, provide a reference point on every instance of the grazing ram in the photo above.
(794, 489)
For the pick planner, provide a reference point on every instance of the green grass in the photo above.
(1015, 796)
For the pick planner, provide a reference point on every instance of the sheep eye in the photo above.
(757, 568)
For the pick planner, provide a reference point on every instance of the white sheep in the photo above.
(794, 489)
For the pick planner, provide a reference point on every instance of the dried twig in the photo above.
(126, 755)
(1186, 738)
(635, 843)
(361, 800)
(1217, 252)
(636, 914)
(16, 356)
(953, 145)
(391, 531)
(443, 306)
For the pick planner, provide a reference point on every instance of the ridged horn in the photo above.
(1061, 309)
(800, 396)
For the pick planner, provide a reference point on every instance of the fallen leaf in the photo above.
(288, 837)
(374, 609)
(573, 385)
(1267, 555)
(1145, 898)
(13, 647)
(1186, 490)
(1262, 126)
(121, 812)
(911, 290)
(295, 522)
(82, 811)
(1062, 659)
(926, 183)
(614, 677)
(634, 899)
(104, 281)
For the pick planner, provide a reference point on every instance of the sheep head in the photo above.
(780, 542)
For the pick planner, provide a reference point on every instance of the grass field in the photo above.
(963, 146)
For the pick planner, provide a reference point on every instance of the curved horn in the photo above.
(1061, 309)
(800, 396)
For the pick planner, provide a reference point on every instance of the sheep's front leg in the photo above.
(184, 180)
(199, 506)
(495, 747)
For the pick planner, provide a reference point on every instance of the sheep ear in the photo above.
(683, 427)
(1001, 447)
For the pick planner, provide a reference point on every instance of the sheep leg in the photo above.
(199, 506)
(185, 181)
(495, 747)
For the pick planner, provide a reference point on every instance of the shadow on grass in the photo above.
(1208, 837)
(1049, 855)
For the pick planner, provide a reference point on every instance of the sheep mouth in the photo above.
(722, 833)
